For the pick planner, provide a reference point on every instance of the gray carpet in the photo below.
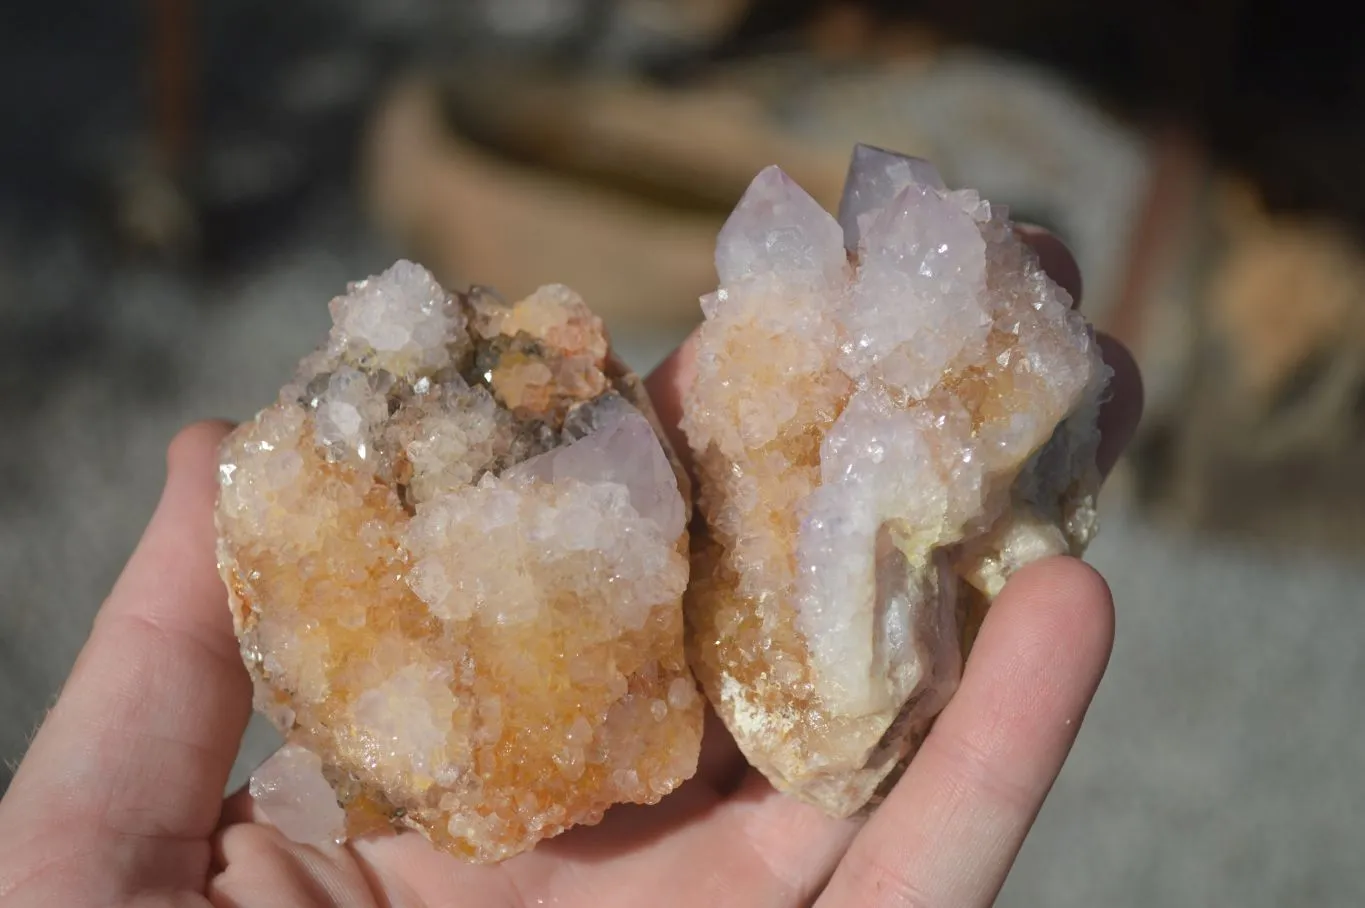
(1220, 764)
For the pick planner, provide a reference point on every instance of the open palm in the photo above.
(119, 799)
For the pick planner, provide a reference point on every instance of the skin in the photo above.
(119, 800)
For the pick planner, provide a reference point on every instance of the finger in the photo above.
(949, 831)
(758, 849)
(259, 866)
(1055, 258)
(130, 765)
(1121, 412)
(667, 385)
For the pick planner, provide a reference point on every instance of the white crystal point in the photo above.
(862, 605)
(620, 448)
(401, 321)
(778, 227)
(874, 177)
(290, 790)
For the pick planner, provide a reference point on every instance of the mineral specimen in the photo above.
(456, 551)
(892, 412)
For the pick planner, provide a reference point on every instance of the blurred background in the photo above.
(184, 185)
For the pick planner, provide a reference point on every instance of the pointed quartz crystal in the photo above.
(874, 177)
(621, 448)
(777, 226)
(292, 792)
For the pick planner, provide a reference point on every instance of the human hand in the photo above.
(119, 800)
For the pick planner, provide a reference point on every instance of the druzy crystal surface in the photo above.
(455, 550)
(893, 411)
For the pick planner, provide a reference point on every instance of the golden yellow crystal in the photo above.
(456, 550)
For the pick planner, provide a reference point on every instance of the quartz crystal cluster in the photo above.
(893, 410)
(456, 551)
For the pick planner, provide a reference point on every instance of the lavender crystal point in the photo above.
(778, 225)
(874, 177)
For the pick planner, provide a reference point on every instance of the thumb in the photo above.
(124, 781)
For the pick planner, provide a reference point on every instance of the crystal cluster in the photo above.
(456, 551)
(893, 410)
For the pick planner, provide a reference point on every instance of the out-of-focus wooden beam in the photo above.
(171, 80)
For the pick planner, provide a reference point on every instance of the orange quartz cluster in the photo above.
(893, 411)
(456, 551)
